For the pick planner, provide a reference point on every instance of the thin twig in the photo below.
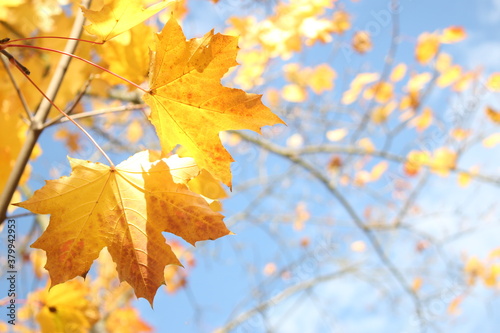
(367, 231)
(100, 113)
(18, 90)
(284, 295)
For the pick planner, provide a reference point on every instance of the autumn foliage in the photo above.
(131, 87)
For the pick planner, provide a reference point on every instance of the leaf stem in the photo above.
(56, 37)
(81, 59)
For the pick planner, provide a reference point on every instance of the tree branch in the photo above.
(41, 115)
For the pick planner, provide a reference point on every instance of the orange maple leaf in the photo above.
(189, 105)
(125, 208)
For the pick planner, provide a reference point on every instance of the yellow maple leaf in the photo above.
(118, 16)
(125, 208)
(189, 105)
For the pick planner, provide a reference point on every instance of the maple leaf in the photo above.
(126, 209)
(119, 16)
(189, 105)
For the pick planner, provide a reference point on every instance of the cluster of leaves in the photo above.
(127, 207)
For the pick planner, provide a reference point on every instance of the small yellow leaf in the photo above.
(453, 307)
(118, 16)
(361, 42)
(336, 135)
(294, 93)
(494, 254)
(382, 91)
(443, 62)
(72, 139)
(322, 78)
(453, 35)
(358, 246)
(464, 81)
(357, 85)
(427, 47)
(410, 101)
(460, 134)
(350, 96)
(362, 79)
(381, 113)
(493, 115)
(443, 161)
(378, 170)
(450, 76)
(269, 269)
(423, 121)
(474, 269)
(302, 215)
(416, 284)
(295, 141)
(493, 82)
(417, 82)
(341, 22)
(492, 140)
(366, 144)
(134, 131)
(415, 160)
(464, 178)
(398, 72)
